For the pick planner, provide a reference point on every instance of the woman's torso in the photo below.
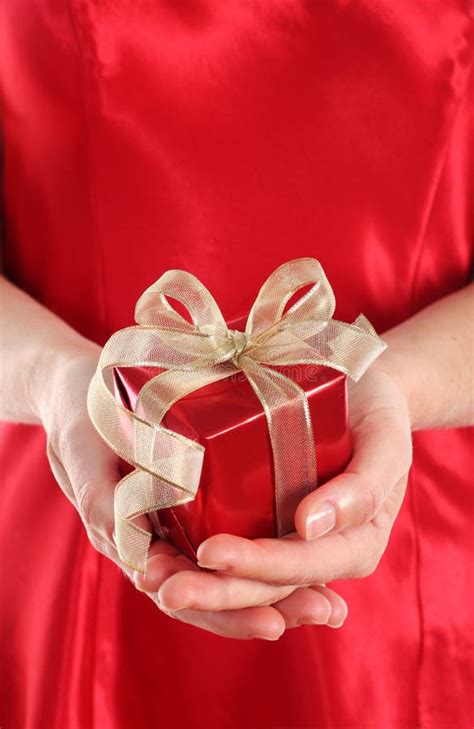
(224, 139)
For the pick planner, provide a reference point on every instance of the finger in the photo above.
(314, 605)
(87, 471)
(163, 562)
(291, 560)
(339, 607)
(264, 623)
(199, 590)
(92, 470)
(84, 453)
(382, 455)
(161, 546)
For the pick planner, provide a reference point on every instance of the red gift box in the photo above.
(236, 493)
(238, 455)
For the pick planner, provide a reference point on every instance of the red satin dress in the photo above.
(225, 138)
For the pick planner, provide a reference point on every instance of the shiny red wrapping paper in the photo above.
(236, 493)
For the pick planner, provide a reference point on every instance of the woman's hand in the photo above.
(87, 471)
(342, 528)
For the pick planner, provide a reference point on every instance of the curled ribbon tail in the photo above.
(352, 347)
(136, 494)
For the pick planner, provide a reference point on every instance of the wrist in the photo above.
(53, 370)
(401, 366)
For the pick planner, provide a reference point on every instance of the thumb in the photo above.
(382, 456)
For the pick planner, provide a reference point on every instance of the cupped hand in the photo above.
(88, 471)
(343, 527)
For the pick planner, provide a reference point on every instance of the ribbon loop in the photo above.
(192, 354)
(153, 307)
(285, 282)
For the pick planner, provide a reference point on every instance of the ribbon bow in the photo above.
(194, 354)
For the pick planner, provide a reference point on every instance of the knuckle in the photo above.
(95, 540)
(370, 500)
(364, 570)
(88, 507)
(368, 565)
(102, 545)
(86, 503)
(67, 436)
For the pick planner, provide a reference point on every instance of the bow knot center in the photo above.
(239, 343)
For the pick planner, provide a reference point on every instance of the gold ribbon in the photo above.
(192, 355)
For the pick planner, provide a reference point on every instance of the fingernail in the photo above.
(336, 625)
(321, 521)
(205, 565)
(310, 621)
(164, 604)
(338, 615)
(136, 578)
(265, 637)
(174, 608)
(218, 567)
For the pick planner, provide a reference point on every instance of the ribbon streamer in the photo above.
(194, 354)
